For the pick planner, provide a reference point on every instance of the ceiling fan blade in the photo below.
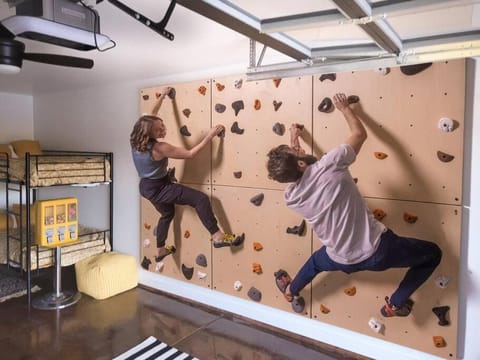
(62, 60)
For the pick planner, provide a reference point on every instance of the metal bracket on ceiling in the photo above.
(253, 56)
(158, 27)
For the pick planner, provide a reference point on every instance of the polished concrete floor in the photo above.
(103, 329)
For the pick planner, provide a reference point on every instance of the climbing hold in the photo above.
(276, 105)
(239, 240)
(353, 99)
(379, 214)
(159, 266)
(238, 83)
(147, 226)
(331, 77)
(157, 95)
(237, 106)
(201, 260)
(257, 199)
(235, 129)
(256, 268)
(380, 155)
(254, 294)
(278, 129)
(201, 275)
(146, 243)
(171, 174)
(350, 291)
(446, 124)
(221, 134)
(382, 70)
(355, 180)
(237, 285)
(326, 105)
(257, 246)
(441, 312)
(237, 174)
(184, 131)
(324, 309)
(442, 281)
(444, 157)
(202, 90)
(298, 304)
(257, 104)
(186, 234)
(375, 324)
(186, 112)
(410, 218)
(145, 97)
(277, 82)
(414, 69)
(172, 93)
(146, 263)
(187, 271)
(220, 108)
(439, 341)
(219, 86)
(297, 229)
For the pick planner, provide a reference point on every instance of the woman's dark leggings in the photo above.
(164, 195)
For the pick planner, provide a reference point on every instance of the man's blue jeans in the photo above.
(421, 257)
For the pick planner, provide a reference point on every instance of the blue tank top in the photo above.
(146, 166)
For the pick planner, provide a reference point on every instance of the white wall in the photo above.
(16, 117)
(101, 119)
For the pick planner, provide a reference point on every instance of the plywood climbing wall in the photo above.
(419, 175)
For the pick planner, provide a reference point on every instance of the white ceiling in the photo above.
(202, 44)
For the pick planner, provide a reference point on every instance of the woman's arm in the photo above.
(159, 102)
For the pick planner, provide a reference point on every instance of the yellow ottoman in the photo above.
(104, 275)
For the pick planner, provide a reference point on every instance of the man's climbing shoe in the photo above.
(229, 240)
(283, 280)
(389, 310)
(167, 250)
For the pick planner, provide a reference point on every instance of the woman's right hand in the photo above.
(217, 129)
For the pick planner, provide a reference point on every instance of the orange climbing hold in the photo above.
(257, 246)
(219, 86)
(147, 226)
(439, 341)
(257, 268)
(257, 104)
(202, 90)
(379, 214)
(380, 155)
(324, 309)
(350, 291)
(410, 218)
(186, 235)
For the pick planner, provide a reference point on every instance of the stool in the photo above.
(104, 275)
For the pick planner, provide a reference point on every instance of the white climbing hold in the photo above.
(445, 124)
(375, 324)
(159, 266)
(146, 243)
(201, 275)
(237, 285)
(442, 281)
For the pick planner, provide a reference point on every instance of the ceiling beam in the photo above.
(237, 19)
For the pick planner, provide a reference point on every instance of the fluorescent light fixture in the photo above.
(9, 69)
(38, 28)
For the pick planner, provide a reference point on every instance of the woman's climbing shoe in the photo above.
(389, 310)
(229, 240)
(164, 252)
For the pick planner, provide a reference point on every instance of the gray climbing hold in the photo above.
(146, 263)
(238, 83)
(145, 97)
(187, 271)
(237, 106)
(172, 93)
(237, 174)
(235, 129)
(257, 199)
(254, 294)
(353, 99)
(171, 174)
(186, 112)
(297, 229)
(221, 134)
(414, 69)
(441, 312)
(444, 156)
(298, 304)
(184, 131)
(326, 105)
(276, 105)
(278, 129)
(331, 77)
(220, 108)
(201, 260)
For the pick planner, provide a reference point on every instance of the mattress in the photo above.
(48, 170)
(92, 242)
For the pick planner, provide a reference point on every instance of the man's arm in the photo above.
(358, 133)
(159, 102)
(295, 132)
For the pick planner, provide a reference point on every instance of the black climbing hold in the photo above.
(221, 134)
(235, 129)
(297, 229)
(201, 260)
(326, 105)
(278, 129)
(171, 174)
(441, 312)
(414, 69)
(237, 174)
(276, 105)
(184, 131)
(187, 271)
(444, 156)
(331, 77)
(257, 199)
(298, 304)
(239, 240)
(172, 93)
(186, 112)
(237, 106)
(146, 263)
(254, 294)
(220, 108)
(353, 99)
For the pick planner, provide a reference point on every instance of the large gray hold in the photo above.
(201, 260)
